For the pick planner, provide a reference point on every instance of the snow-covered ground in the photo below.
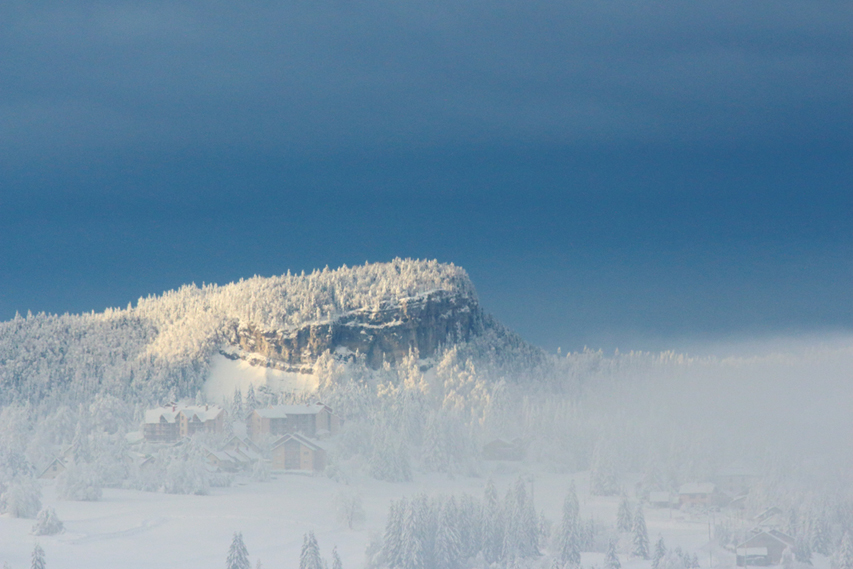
(226, 375)
(131, 529)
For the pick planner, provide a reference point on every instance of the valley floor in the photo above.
(132, 529)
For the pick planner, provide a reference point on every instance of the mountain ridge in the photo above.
(380, 311)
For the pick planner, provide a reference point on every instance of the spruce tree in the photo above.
(448, 545)
(309, 558)
(660, 553)
(38, 558)
(802, 550)
(238, 556)
(251, 401)
(493, 524)
(820, 535)
(569, 544)
(624, 520)
(843, 558)
(641, 536)
(611, 560)
(336, 559)
(414, 554)
(392, 544)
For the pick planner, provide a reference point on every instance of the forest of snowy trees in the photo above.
(78, 385)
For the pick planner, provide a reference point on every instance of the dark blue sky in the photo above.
(627, 174)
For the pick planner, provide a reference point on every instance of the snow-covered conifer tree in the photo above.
(470, 526)
(38, 558)
(392, 543)
(238, 555)
(660, 553)
(251, 401)
(640, 541)
(843, 557)
(802, 550)
(47, 523)
(310, 558)
(448, 545)
(602, 471)
(22, 498)
(820, 535)
(434, 451)
(493, 524)
(624, 519)
(237, 405)
(611, 560)
(568, 551)
(414, 554)
(336, 559)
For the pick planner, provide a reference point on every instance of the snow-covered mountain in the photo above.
(379, 311)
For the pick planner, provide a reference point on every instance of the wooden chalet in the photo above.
(764, 548)
(297, 452)
(172, 422)
(312, 420)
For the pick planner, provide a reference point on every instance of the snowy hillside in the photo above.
(165, 343)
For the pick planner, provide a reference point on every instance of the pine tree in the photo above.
(493, 524)
(448, 545)
(569, 543)
(238, 555)
(251, 400)
(310, 556)
(336, 559)
(392, 544)
(237, 404)
(611, 560)
(414, 556)
(641, 536)
(820, 535)
(434, 451)
(624, 519)
(802, 550)
(660, 553)
(843, 558)
(603, 478)
(38, 558)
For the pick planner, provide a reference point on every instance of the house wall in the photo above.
(160, 432)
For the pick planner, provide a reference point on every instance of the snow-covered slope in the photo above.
(165, 343)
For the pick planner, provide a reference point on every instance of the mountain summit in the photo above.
(379, 312)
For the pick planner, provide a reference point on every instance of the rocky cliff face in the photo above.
(386, 333)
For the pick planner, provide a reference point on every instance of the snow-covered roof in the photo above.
(171, 412)
(282, 411)
(134, 437)
(748, 551)
(762, 537)
(697, 488)
(310, 443)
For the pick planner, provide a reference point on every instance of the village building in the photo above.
(699, 494)
(501, 449)
(764, 548)
(54, 469)
(296, 452)
(312, 420)
(173, 422)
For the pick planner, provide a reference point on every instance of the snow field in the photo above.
(133, 529)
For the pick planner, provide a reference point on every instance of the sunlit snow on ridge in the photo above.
(227, 375)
